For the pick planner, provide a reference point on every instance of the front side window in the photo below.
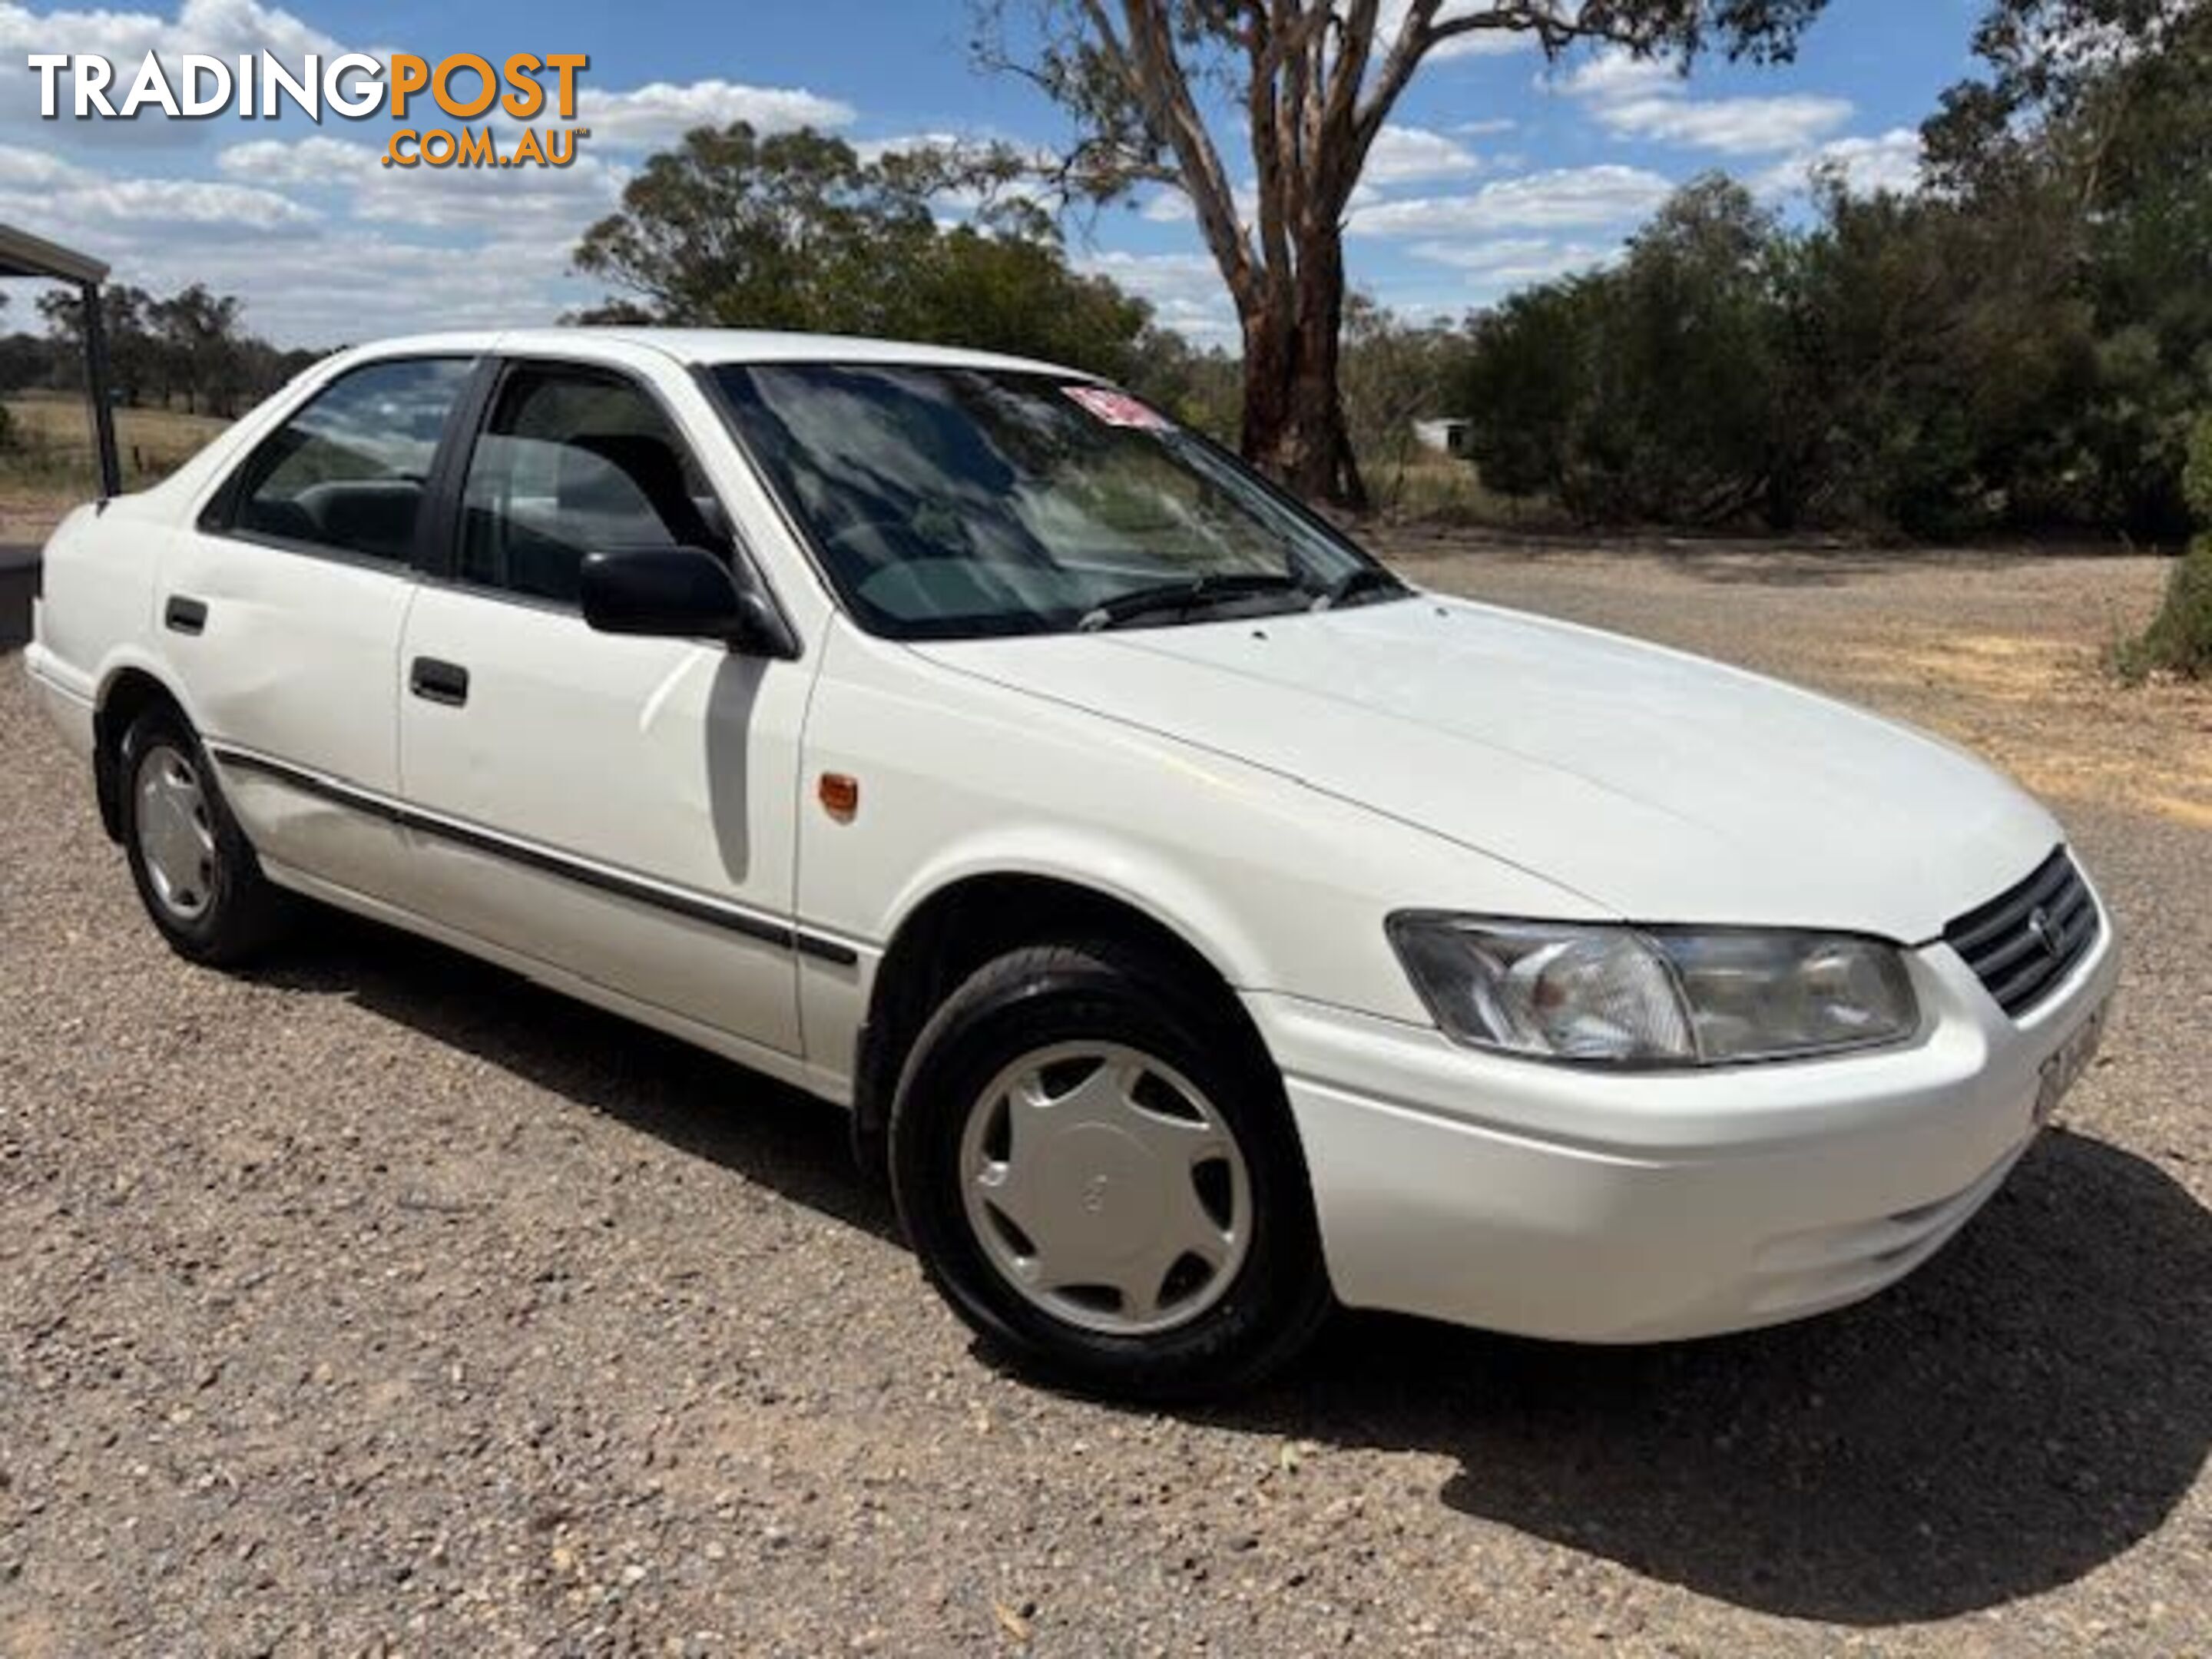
(956, 502)
(571, 463)
(347, 472)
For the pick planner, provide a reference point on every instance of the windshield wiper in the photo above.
(1364, 578)
(1190, 593)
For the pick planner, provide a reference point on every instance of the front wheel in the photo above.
(1095, 1162)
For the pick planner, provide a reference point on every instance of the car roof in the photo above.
(716, 345)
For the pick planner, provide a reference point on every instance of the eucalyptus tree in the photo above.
(1263, 113)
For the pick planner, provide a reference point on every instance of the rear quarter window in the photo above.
(348, 470)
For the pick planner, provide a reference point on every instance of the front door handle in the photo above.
(183, 615)
(438, 682)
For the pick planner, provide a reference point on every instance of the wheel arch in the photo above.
(127, 691)
(970, 919)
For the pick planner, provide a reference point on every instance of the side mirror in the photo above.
(680, 593)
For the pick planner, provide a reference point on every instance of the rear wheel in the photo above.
(1094, 1160)
(195, 871)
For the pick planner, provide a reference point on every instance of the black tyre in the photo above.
(1093, 1158)
(196, 873)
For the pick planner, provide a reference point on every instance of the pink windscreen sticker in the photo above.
(1117, 408)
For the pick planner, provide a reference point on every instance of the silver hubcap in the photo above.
(176, 839)
(1106, 1188)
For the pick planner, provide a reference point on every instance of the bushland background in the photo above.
(2018, 351)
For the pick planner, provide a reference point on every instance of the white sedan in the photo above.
(1204, 926)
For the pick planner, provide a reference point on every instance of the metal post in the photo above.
(103, 409)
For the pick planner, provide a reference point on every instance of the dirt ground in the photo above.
(380, 1303)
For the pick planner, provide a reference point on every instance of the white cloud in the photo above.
(656, 115)
(1186, 290)
(56, 195)
(221, 28)
(1732, 127)
(314, 162)
(874, 150)
(1172, 207)
(1616, 73)
(1159, 273)
(345, 283)
(37, 169)
(1486, 129)
(190, 201)
(323, 282)
(1508, 263)
(1478, 43)
(1644, 98)
(1509, 252)
(556, 203)
(1888, 160)
(561, 201)
(1563, 198)
(1402, 154)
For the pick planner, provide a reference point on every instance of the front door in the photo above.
(620, 808)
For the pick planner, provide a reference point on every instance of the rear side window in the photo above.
(571, 463)
(348, 472)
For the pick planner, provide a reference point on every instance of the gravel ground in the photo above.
(381, 1303)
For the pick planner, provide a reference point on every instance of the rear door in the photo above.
(618, 807)
(281, 612)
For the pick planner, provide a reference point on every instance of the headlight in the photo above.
(1654, 996)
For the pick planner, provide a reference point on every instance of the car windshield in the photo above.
(948, 503)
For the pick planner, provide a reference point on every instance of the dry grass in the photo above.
(50, 469)
(65, 423)
(1435, 489)
(2047, 709)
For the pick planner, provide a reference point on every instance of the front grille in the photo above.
(2022, 944)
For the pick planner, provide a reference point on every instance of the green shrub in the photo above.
(2179, 638)
(2196, 473)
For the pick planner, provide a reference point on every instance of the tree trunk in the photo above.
(1323, 467)
(1294, 428)
(1269, 343)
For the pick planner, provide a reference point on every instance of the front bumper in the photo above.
(1553, 1201)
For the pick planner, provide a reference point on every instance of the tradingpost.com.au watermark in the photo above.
(353, 86)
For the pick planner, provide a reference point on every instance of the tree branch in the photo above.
(1276, 171)
(1153, 76)
(1340, 154)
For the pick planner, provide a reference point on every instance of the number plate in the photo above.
(2072, 1057)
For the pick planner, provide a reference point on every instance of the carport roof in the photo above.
(22, 254)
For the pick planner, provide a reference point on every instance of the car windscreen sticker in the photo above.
(1118, 408)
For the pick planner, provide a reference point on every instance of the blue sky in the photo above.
(1498, 170)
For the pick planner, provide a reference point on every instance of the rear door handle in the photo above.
(438, 682)
(183, 616)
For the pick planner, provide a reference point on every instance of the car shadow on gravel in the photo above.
(2033, 1403)
(697, 1102)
